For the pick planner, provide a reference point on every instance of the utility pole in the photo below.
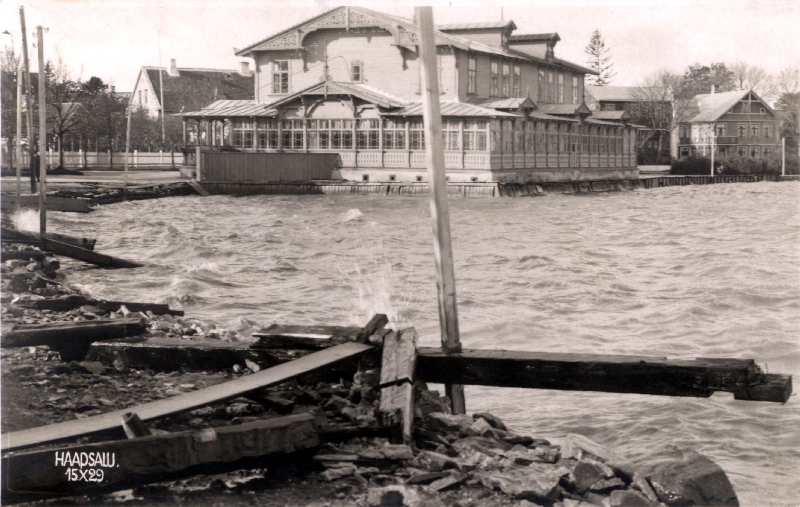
(127, 148)
(783, 156)
(713, 138)
(160, 87)
(28, 100)
(42, 139)
(434, 154)
(20, 75)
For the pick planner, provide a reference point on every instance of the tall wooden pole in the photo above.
(713, 137)
(434, 154)
(28, 100)
(161, 86)
(20, 77)
(127, 149)
(42, 138)
(783, 156)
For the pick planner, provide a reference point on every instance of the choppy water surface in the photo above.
(683, 272)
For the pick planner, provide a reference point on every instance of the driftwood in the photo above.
(13, 235)
(316, 337)
(397, 383)
(184, 402)
(72, 339)
(73, 301)
(67, 250)
(151, 458)
(614, 374)
(9, 202)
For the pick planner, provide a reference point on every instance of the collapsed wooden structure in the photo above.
(149, 458)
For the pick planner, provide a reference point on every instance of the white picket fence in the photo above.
(75, 159)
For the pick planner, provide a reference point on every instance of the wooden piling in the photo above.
(434, 154)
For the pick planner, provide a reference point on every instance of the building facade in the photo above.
(348, 81)
(737, 123)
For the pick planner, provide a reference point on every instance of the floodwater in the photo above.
(682, 272)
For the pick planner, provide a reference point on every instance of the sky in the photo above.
(113, 39)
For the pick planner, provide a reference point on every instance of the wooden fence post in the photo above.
(443, 251)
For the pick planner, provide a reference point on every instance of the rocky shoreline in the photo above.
(459, 460)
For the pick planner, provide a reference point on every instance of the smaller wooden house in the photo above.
(737, 123)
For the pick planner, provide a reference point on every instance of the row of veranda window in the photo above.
(477, 135)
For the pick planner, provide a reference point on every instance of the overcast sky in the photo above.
(113, 39)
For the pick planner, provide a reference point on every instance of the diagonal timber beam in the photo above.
(183, 402)
(603, 373)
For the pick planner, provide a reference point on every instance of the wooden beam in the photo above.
(183, 402)
(397, 383)
(151, 458)
(67, 204)
(316, 337)
(73, 301)
(434, 154)
(72, 339)
(74, 252)
(592, 372)
(10, 235)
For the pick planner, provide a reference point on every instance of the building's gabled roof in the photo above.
(192, 89)
(511, 104)
(559, 109)
(531, 37)
(325, 88)
(291, 38)
(453, 108)
(477, 26)
(612, 93)
(711, 106)
(231, 109)
(611, 115)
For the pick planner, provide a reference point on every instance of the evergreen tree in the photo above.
(599, 60)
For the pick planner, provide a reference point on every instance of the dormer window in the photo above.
(280, 76)
(357, 68)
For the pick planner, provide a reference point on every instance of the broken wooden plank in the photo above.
(73, 301)
(592, 372)
(198, 187)
(68, 250)
(12, 235)
(316, 337)
(161, 354)
(68, 204)
(183, 402)
(133, 426)
(397, 383)
(151, 458)
(774, 387)
(72, 339)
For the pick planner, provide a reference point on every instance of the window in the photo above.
(367, 134)
(767, 130)
(319, 134)
(560, 88)
(516, 92)
(496, 143)
(392, 177)
(767, 151)
(741, 151)
(475, 135)
(394, 135)
(762, 110)
(473, 179)
(365, 177)
(280, 76)
(741, 130)
(494, 80)
(530, 137)
(419, 178)
(451, 134)
(341, 134)
(357, 71)
(552, 138)
(506, 80)
(754, 151)
(145, 96)
(721, 130)
(292, 134)
(472, 75)
(416, 134)
(140, 98)
(508, 135)
(540, 86)
(541, 138)
(551, 90)
(574, 89)
(243, 133)
(268, 134)
(519, 135)
(753, 130)
(610, 107)
(683, 131)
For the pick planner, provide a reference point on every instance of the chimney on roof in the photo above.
(712, 89)
(173, 67)
(244, 68)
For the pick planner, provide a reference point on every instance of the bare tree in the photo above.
(63, 104)
(753, 77)
(659, 106)
(8, 70)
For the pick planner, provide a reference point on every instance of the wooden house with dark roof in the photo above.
(188, 89)
(737, 123)
(347, 81)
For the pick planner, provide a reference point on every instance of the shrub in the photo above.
(693, 165)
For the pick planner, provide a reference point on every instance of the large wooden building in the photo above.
(347, 81)
(737, 123)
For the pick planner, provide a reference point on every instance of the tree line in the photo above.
(81, 114)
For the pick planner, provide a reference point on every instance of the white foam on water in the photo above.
(26, 220)
(352, 214)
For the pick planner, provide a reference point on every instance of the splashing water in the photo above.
(351, 215)
(26, 220)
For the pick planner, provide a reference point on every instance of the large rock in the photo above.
(580, 447)
(534, 482)
(489, 446)
(589, 471)
(401, 496)
(688, 478)
(438, 421)
(629, 498)
(493, 420)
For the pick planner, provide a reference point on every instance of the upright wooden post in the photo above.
(127, 149)
(783, 156)
(20, 77)
(434, 154)
(42, 139)
(28, 99)
(713, 137)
